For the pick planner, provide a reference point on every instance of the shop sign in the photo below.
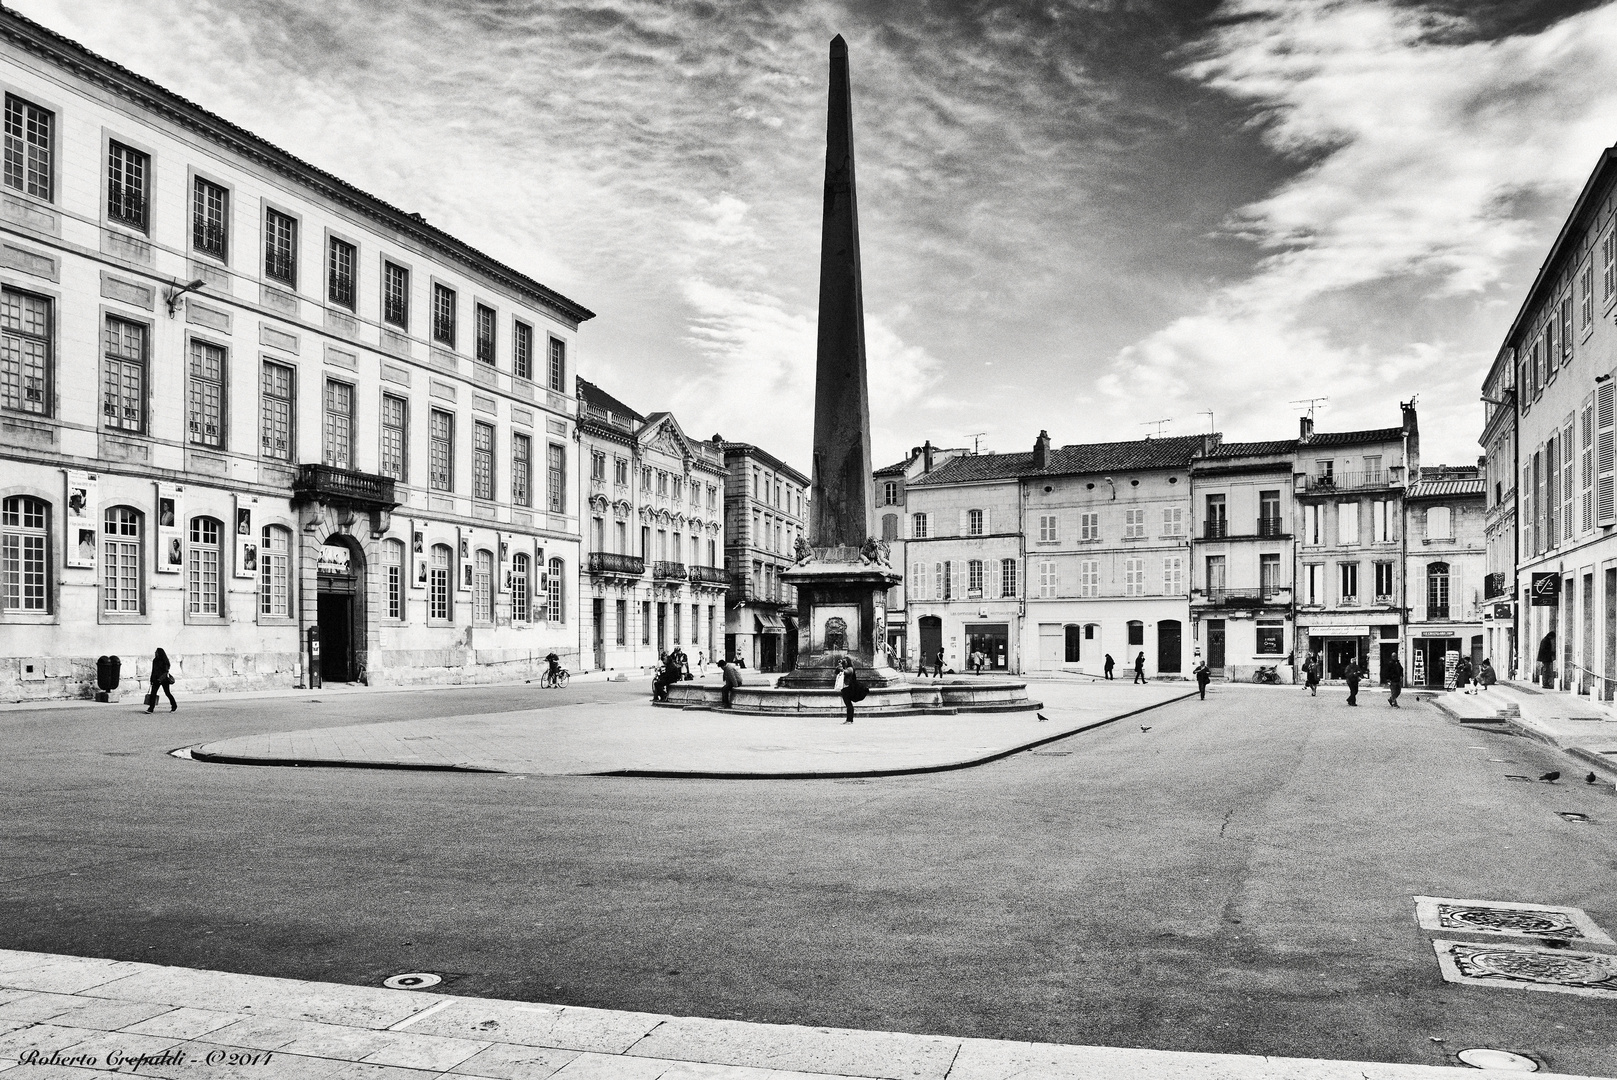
(1546, 590)
(1437, 633)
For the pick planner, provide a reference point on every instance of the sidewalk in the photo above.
(639, 739)
(71, 1017)
(1578, 727)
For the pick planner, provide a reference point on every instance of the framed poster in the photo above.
(83, 526)
(418, 556)
(246, 536)
(170, 528)
(463, 552)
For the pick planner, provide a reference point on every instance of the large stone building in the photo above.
(766, 504)
(1499, 458)
(652, 576)
(242, 401)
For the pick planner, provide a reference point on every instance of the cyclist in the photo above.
(555, 668)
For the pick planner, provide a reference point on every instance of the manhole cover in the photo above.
(413, 980)
(1521, 967)
(1480, 1057)
(1500, 917)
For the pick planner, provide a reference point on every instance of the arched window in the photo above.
(275, 572)
(520, 609)
(393, 578)
(553, 590)
(24, 555)
(1439, 523)
(1437, 590)
(438, 584)
(974, 522)
(203, 587)
(120, 561)
(483, 587)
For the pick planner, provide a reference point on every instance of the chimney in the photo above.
(1041, 451)
(926, 456)
(1411, 426)
(1305, 428)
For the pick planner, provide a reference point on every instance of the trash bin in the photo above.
(107, 671)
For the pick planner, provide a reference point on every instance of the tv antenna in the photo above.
(1158, 424)
(974, 436)
(1312, 403)
(1209, 414)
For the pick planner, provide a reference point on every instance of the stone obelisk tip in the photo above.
(838, 46)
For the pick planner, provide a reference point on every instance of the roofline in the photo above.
(769, 459)
(74, 57)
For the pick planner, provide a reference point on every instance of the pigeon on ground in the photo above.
(1144, 728)
(1591, 779)
(1550, 777)
(1041, 716)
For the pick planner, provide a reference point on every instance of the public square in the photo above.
(1239, 878)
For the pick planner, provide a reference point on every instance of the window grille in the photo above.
(519, 589)
(396, 295)
(438, 584)
(393, 578)
(483, 587)
(340, 273)
(121, 561)
(127, 172)
(553, 590)
(275, 573)
(280, 248)
(443, 314)
(210, 219)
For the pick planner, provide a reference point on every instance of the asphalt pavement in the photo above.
(1238, 878)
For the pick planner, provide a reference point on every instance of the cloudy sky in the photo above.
(1077, 215)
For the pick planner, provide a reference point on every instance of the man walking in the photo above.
(1139, 668)
(1311, 674)
(1395, 681)
(939, 660)
(1351, 674)
(1203, 677)
(1110, 663)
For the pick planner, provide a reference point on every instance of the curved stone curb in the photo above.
(911, 770)
(198, 754)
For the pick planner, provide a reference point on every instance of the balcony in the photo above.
(1240, 598)
(1271, 526)
(662, 570)
(710, 575)
(608, 562)
(327, 483)
(1217, 529)
(1346, 481)
(1494, 585)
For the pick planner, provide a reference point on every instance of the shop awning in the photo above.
(769, 622)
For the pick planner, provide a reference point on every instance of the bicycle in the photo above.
(1266, 675)
(553, 680)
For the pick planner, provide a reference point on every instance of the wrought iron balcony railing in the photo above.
(1271, 526)
(346, 485)
(210, 238)
(664, 570)
(711, 575)
(1216, 529)
(1347, 481)
(610, 562)
(1242, 597)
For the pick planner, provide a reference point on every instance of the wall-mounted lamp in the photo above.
(1602, 378)
(172, 296)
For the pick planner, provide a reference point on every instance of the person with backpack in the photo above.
(849, 686)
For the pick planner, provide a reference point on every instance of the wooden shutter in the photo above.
(986, 528)
(1586, 489)
(1606, 453)
(1568, 488)
(963, 521)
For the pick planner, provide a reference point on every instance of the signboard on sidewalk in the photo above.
(1546, 590)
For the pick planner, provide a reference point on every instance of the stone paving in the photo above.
(637, 738)
(70, 1017)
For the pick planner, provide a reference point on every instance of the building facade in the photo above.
(244, 405)
(1499, 476)
(765, 513)
(652, 576)
(1445, 527)
(890, 487)
(1242, 558)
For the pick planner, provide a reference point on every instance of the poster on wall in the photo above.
(170, 528)
(246, 537)
(418, 556)
(82, 525)
(464, 551)
(539, 586)
(504, 574)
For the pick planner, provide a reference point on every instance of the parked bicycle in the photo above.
(1266, 675)
(553, 680)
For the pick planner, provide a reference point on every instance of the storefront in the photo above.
(992, 640)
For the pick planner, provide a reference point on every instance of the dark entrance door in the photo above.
(931, 639)
(1215, 644)
(1389, 652)
(1168, 646)
(993, 641)
(1338, 653)
(598, 611)
(336, 636)
(662, 629)
(768, 651)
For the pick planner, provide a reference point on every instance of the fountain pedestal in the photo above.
(842, 614)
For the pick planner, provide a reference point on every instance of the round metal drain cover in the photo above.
(1481, 1057)
(414, 980)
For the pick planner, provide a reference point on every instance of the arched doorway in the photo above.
(340, 572)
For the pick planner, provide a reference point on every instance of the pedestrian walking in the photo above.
(1203, 677)
(1139, 668)
(1487, 676)
(1311, 667)
(1545, 670)
(1109, 664)
(1395, 681)
(162, 679)
(920, 665)
(849, 686)
(701, 663)
(939, 659)
(732, 679)
(1352, 674)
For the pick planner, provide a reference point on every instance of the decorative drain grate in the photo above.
(1495, 917)
(1523, 967)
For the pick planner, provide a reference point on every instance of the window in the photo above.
(1136, 632)
(521, 350)
(553, 591)
(1608, 266)
(558, 365)
(275, 573)
(29, 132)
(339, 433)
(521, 470)
(645, 622)
(1586, 427)
(1173, 575)
(1134, 577)
(556, 470)
(1072, 652)
(441, 461)
(1271, 637)
(275, 411)
(889, 526)
(393, 579)
(974, 522)
(204, 395)
(918, 525)
(712, 497)
(1173, 521)
(121, 562)
(203, 586)
(396, 295)
(598, 466)
(1315, 575)
(974, 579)
(1217, 579)
(1048, 580)
(438, 584)
(24, 556)
(1088, 577)
(1437, 590)
(1217, 523)
(1047, 528)
(340, 272)
(210, 219)
(1384, 583)
(443, 314)
(483, 587)
(482, 460)
(1133, 524)
(123, 386)
(1438, 523)
(918, 581)
(1347, 523)
(25, 352)
(280, 248)
(889, 493)
(1269, 574)
(620, 475)
(1348, 579)
(1269, 514)
(1007, 578)
(1566, 329)
(485, 333)
(520, 600)
(127, 174)
(645, 478)
(1314, 523)
(622, 637)
(1089, 527)
(395, 435)
(1381, 515)
(597, 534)
(1586, 296)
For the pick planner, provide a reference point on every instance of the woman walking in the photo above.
(161, 680)
(849, 686)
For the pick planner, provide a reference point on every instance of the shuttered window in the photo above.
(1587, 487)
(1606, 453)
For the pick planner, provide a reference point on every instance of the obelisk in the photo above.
(842, 581)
